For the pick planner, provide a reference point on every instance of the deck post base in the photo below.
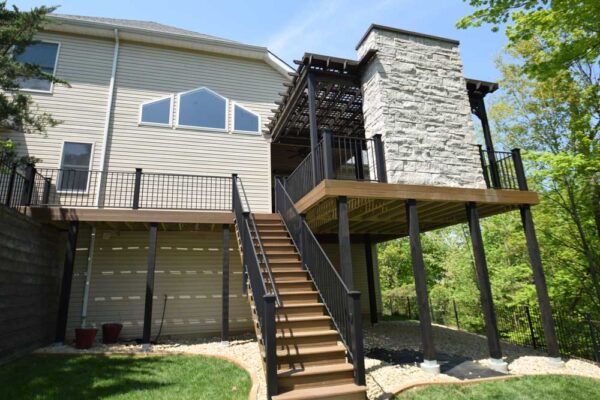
(146, 347)
(498, 364)
(225, 343)
(431, 366)
(556, 362)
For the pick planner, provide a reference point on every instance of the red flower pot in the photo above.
(84, 337)
(110, 333)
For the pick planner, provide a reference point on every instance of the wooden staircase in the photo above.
(311, 359)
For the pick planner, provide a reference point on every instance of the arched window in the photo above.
(202, 109)
(157, 112)
(245, 120)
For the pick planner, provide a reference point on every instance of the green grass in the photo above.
(121, 377)
(547, 387)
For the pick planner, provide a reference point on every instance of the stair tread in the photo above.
(314, 370)
(297, 293)
(304, 318)
(299, 305)
(321, 392)
(304, 334)
(284, 261)
(304, 351)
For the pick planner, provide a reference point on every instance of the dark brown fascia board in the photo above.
(404, 32)
(482, 86)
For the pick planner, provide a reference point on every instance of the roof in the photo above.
(139, 24)
(481, 88)
(404, 32)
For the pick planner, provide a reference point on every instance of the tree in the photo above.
(17, 31)
(568, 30)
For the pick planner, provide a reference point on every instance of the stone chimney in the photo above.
(415, 96)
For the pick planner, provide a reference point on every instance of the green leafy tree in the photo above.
(568, 30)
(17, 109)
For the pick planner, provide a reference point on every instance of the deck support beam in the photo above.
(67, 280)
(371, 280)
(225, 293)
(418, 264)
(149, 285)
(344, 241)
(539, 279)
(485, 289)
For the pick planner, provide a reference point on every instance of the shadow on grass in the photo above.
(121, 377)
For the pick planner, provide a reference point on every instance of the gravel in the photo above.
(383, 378)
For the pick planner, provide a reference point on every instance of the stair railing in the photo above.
(265, 301)
(342, 304)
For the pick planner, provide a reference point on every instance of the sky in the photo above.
(291, 28)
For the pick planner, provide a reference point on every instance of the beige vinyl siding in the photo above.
(86, 64)
(359, 269)
(188, 271)
(145, 73)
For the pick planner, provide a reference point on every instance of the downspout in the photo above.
(88, 278)
(109, 101)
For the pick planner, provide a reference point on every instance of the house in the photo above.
(208, 188)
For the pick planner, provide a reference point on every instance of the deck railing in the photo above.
(503, 169)
(342, 304)
(137, 189)
(338, 157)
(13, 184)
(264, 297)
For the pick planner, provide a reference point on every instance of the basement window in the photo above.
(245, 121)
(75, 166)
(202, 109)
(157, 112)
(44, 55)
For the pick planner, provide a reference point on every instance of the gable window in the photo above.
(44, 55)
(202, 108)
(245, 120)
(157, 112)
(75, 167)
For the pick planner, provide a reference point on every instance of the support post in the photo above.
(11, 185)
(67, 280)
(312, 122)
(270, 344)
(540, 282)
(359, 164)
(225, 291)
(418, 264)
(328, 155)
(487, 135)
(371, 281)
(344, 241)
(245, 256)
(46, 192)
(136, 188)
(149, 285)
(358, 352)
(595, 347)
(519, 169)
(28, 185)
(456, 315)
(88, 278)
(380, 159)
(485, 289)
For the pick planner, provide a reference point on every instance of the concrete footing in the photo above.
(431, 366)
(556, 362)
(146, 347)
(225, 343)
(498, 364)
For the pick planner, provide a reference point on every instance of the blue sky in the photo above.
(289, 28)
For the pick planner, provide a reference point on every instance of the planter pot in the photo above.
(84, 337)
(110, 333)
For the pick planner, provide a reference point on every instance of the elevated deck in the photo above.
(378, 209)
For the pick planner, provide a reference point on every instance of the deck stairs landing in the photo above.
(311, 359)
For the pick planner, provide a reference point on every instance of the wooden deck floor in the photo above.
(378, 209)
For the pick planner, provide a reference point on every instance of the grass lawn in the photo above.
(122, 377)
(547, 387)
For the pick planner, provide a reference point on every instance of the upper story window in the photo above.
(202, 108)
(45, 55)
(75, 167)
(245, 120)
(157, 112)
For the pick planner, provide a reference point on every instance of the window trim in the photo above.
(60, 168)
(233, 130)
(177, 125)
(51, 90)
(171, 106)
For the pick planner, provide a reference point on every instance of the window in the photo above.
(157, 112)
(45, 55)
(245, 120)
(202, 108)
(75, 167)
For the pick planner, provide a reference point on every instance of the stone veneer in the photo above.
(415, 96)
